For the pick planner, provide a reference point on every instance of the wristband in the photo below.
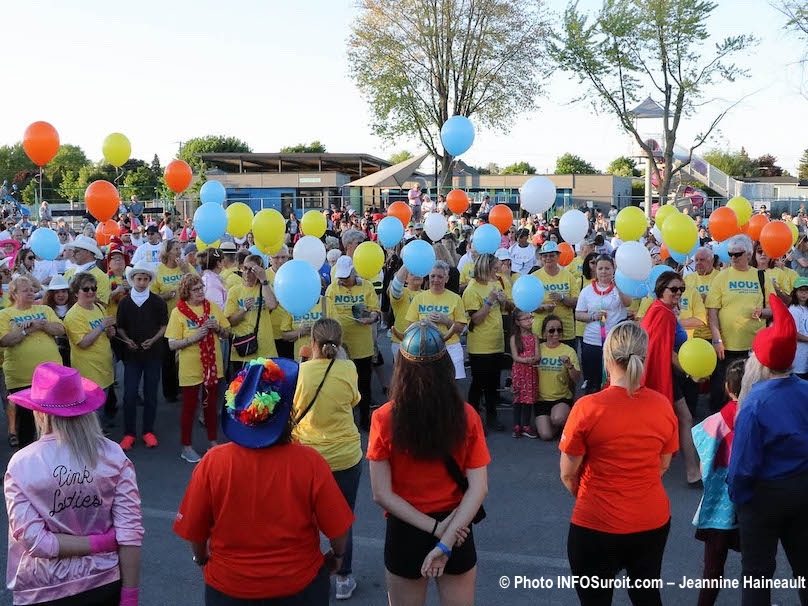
(446, 550)
(486, 302)
(103, 543)
(129, 596)
(434, 528)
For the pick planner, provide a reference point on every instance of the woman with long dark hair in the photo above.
(428, 470)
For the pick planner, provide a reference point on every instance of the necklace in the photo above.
(604, 292)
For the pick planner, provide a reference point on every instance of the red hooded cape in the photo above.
(660, 324)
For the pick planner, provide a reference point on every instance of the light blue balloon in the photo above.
(528, 293)
(636, 289)
(486, 239)
(418, 257)
(212, 192)
(680, 258)
(722, 250)
(210, 222)
(254, 250)
(390, 231)
(45, 243)
(297, 287)
(656, 271)
(457, 135)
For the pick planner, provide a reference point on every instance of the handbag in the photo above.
(316, 393)
(463, 483)
(247, 345)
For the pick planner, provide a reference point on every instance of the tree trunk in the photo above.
(446, 172)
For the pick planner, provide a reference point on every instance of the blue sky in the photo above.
(275, 73)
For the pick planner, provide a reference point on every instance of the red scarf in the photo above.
(660, 324)
(207, 346)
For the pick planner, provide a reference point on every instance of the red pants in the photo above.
(190, 399)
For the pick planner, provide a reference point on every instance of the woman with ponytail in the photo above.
(322, 412)
(616, 446)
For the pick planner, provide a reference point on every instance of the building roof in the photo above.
(648, 109)
(355, 165)
(773, 180)
(392, 176)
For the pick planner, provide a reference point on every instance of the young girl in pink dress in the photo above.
(525, 355)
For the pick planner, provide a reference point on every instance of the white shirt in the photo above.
(428, 206)
(167, 232)
(148, 253)
(800, 314)
(522, 259)
(589, 301)
(467, 258)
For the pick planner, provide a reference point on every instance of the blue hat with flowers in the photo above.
(258, 402)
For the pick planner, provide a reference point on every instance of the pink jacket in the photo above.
(215, 290)
(48, 492)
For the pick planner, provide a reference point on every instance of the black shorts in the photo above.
(543, 409)
(405, 548)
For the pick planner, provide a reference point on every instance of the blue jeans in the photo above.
(133, 372)
(348, 482)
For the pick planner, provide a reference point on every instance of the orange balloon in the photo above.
(458, 201)
(745, 228)
(756, 224)
(105, 231)
(566, 254)
(102, 200)
(401, 211)
(775, 239)
(723, 223)
(178, 175)
(664, 253)
(40, 142)
(501, 217)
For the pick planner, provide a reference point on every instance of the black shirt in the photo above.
(141, 323)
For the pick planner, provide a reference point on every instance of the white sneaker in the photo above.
(345, 587)
(190, 455)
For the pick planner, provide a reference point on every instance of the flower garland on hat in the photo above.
(266, 396)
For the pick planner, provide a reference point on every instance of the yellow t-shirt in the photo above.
(554, 383)
(487, 337)
(20, 360)
(277, 313)
(466, 273)
(643, 306)
(237, 299)
(290, 323)
(449, 303)
(166, 281)
(576, 267)
(190, 362)
(112, 307)
(401, 309)
(563, 283)
(230, 278)
(357, 338)
(691, 306)
(102, 280)
(507, 285)
(701, 284)
(736, 294)
(95, 361)
(785, 277)
(329, 425)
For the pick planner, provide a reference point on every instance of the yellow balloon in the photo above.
(201, 245)
(314, 224)
(698, 358)
(239, 219)
(117, 149)
(680, 233)
(631, 223)
(663, 213)
(742, 209)
(795, 233)
(268, 225)
(368, 259)
(270, 248)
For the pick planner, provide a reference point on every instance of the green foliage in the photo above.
(803, 168)
(519, 168)
(766, 166)
(623, 166)
(14, 163)
(315, 147)
(733, 163)
(400, 156)
(570, 164)
(210, 144)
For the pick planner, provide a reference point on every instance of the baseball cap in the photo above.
(502, 254)
(800, 283)
(549, 247)
(189, 248)
(344, 267)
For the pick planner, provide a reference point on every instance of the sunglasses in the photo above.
(676, 289)
(552, 331)
(89, 289)
(30, 258)
(735, 255)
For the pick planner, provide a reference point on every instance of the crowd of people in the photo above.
(592, 367)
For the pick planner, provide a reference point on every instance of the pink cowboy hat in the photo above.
(60, 391)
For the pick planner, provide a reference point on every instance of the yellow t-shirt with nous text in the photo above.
(238, 298)
(554, 383)
(357, 338)
(488, 336)
(736, 294)
(190, 361)
(565, 284)
(95, 361)
(101, 279)
(691, 306)
(290, 323)
(20, 360)
(166, 281)
(449, 303)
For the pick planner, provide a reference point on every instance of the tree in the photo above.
(400, 156)
(210, 144)
(796, 12)
(803, 168)
(519, 168)
(13, 162)
(623, 166)
(633, 45)
(315, 147)
(735, 164)
(766, 166)
(140, 182)
(570, 164)
(420, 62)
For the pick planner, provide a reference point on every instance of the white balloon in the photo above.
(657, 234)
(573, 226)
(537, 195)
(634, 260)
(310, 250)
(435, 226)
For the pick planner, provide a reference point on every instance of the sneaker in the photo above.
(127, 442)
(190, 455)
(150, 440)
(517, 432)
(345, 587)
(529, 432)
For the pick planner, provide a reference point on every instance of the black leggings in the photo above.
(593, 553)
(364, 368)
(106, 595)
(485, 369)
(26, 427)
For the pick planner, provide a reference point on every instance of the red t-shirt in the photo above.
(263, 511)
(621, 438)
(425, 484)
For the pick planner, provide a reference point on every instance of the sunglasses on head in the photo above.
(676, 289)
(735, 255)
(89, 289)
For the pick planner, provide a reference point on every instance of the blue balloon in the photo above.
(254, 250)
(722, 250)
(680, 258)
(656, 271)
(636, 289)
(486, 239)
(297, 287)
(418, 257)
(528, 293)
(390, 231)
(212, 192)
(457, 135)
(210, 222)
(45, 243)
